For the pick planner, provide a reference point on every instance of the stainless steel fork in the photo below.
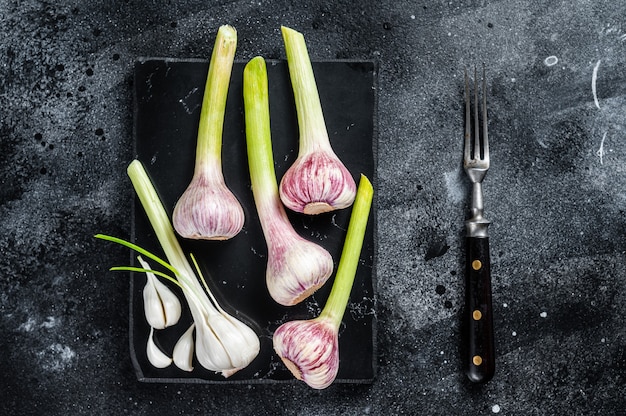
(480, 359)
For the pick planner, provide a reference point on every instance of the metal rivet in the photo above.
(477, 315)
(476, 265)
(477, 360)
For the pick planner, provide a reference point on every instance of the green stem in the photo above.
(211, 126)
(308, 106)
(258, 132)
(259, 141)
(139, 250)
(346, 270)
(142, 270)
(161, 224)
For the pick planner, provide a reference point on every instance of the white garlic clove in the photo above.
(209, 350)
(156, 357)
(183, 350)
(240, 341)
(161, 306)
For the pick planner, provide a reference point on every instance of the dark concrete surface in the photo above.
(556, 194)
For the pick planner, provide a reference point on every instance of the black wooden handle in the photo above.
(480, 360)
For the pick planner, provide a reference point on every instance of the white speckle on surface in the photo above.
(412, 17)
(56, 357)
(551, 60)
(594, 79)
(543, 314)
(183, 101)
(28, 326)
(505, 305)
(514, 333)
(454, 187)
(601, 151)
(495, 408)
(50, 322)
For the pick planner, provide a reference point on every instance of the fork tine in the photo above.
(485, 139)
(476, 154)
(468, 123)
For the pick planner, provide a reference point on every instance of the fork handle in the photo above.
(480, 360)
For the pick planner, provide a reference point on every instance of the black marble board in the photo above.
(168, 96)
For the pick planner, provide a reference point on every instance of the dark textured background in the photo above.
(556, 195)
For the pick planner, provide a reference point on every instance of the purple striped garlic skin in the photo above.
(310, 350)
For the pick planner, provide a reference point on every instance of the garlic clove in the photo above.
(183, 350)
(310, 350)
(161, 306)
(156, 357)
(239, 340)
(210, 352)
(208, 210)
(296, 268)
(317, 182)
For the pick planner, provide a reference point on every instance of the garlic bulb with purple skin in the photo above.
(296, 267)
(208, 209)
(317, 181)
(310, 349)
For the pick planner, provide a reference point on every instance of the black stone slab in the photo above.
(168, 96)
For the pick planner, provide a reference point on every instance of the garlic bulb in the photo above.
(161, 306)
(208, 209)
(223, 343)
(296, 267)
(183, 350)
(317, 181)
(156, 357)
(310, 350)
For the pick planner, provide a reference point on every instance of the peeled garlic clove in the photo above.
(296, 268)
(156, 357)
(161, 306)
(183, 350)
(209, 350)
(317, 182)
(310, 350)
(240, 341)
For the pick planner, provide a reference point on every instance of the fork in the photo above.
(480, 359)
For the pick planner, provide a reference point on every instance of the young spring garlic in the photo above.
(161, 306)
(310, 349)
(223, 343)
(208, 209)
(317, 181)
(296, 267)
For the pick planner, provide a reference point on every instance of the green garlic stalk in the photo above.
(208, 209)
(317, 181)
(296, 267)
(223, 343)
(310, 348)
